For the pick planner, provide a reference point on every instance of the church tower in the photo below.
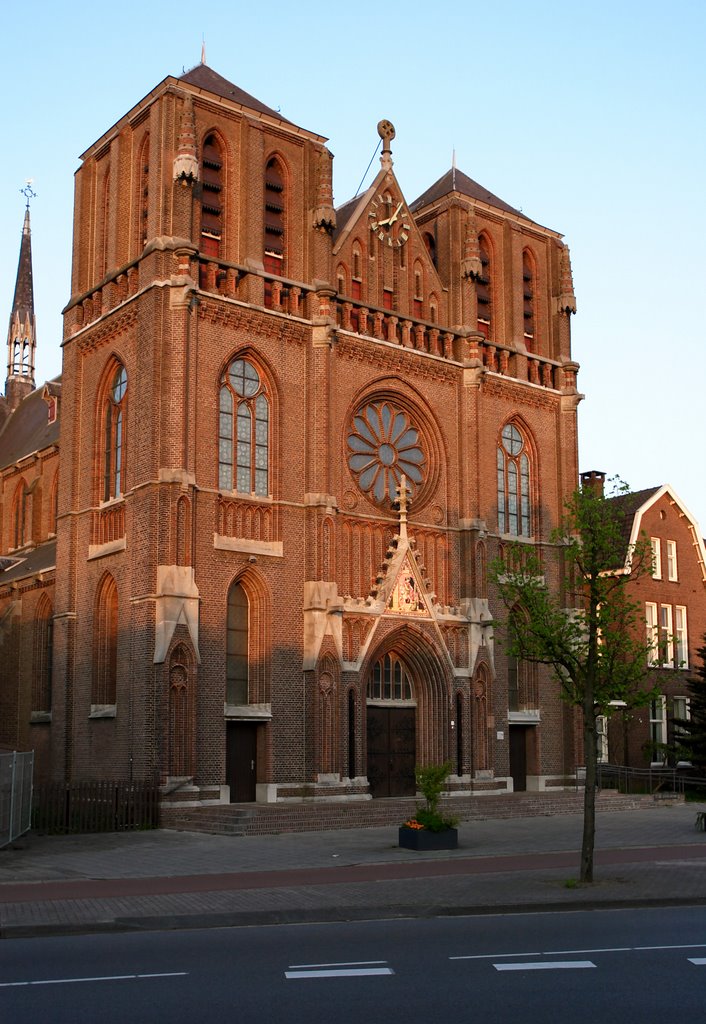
(22, 335)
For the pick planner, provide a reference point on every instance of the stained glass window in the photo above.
(513, 478)
(384, 445)
(243, 430)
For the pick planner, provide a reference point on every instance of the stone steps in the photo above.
(270, 819)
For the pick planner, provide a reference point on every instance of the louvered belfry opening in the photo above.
(483, 291)
(212, 198)
(275, 196)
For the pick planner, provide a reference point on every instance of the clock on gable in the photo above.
(388, 220)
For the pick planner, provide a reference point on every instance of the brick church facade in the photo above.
(251, 562)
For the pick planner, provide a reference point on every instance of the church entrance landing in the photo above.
(391, 750)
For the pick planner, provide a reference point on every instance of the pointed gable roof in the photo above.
(456, 181)
(632, 507)
(27, 429)
(204, 77)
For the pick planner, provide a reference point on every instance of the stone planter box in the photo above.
(421, 839)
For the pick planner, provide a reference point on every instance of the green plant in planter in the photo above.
(430, 780)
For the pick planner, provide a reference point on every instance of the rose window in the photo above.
(384, 445)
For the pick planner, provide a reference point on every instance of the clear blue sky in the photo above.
(588, 116)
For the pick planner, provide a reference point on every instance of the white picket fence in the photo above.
(16, 772)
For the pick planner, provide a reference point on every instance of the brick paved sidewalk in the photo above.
(165, 879)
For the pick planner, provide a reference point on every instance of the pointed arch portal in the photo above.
(406, 712)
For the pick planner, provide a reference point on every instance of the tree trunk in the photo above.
(589, 796)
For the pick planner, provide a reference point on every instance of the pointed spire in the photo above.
(21, 335)
(203, 49)
(453, 169)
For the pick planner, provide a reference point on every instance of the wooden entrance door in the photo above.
(241, 761)
(391, 751)
(518, 757)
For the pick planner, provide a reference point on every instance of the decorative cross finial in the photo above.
(403, 492)
(386, 131)
(28, 192)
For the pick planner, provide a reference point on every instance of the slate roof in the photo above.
(456, 181)
(39, 559)
(204, 77)
(27, 429)
(627, 506)
(344, 213)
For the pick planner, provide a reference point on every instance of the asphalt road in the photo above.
(580, 967)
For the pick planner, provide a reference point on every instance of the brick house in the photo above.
(292, 439)
(673, 596)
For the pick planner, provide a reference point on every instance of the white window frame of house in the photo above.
(681, 639)
(602, 739)
(652, 633)
(672, 572)
(666, 636)
(658, 726)
(656, 558)
(677, 713)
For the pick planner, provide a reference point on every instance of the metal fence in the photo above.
(16, 772)
(649, 780)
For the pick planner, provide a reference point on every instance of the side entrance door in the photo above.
(241, 760)
(391, 736)
(518, 757)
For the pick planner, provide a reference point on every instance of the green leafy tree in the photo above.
(585, 627)
(690, 733)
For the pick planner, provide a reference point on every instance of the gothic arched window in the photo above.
(513, 468)
(389, 680)
(237, 646)
(211, 197)
(42, 666)
(105, 651)
(114, 409)
(244, 430)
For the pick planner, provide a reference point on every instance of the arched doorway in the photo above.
(391, 728)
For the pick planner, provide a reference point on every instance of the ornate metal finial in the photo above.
(386, 131)
(28, 192)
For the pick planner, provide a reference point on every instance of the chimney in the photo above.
(593, 480)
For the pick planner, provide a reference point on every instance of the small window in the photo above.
(658, 729)
(681, 640)
(656, 558)
(672, 573)
(666, 636)
(652, 633)
(602, 739)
